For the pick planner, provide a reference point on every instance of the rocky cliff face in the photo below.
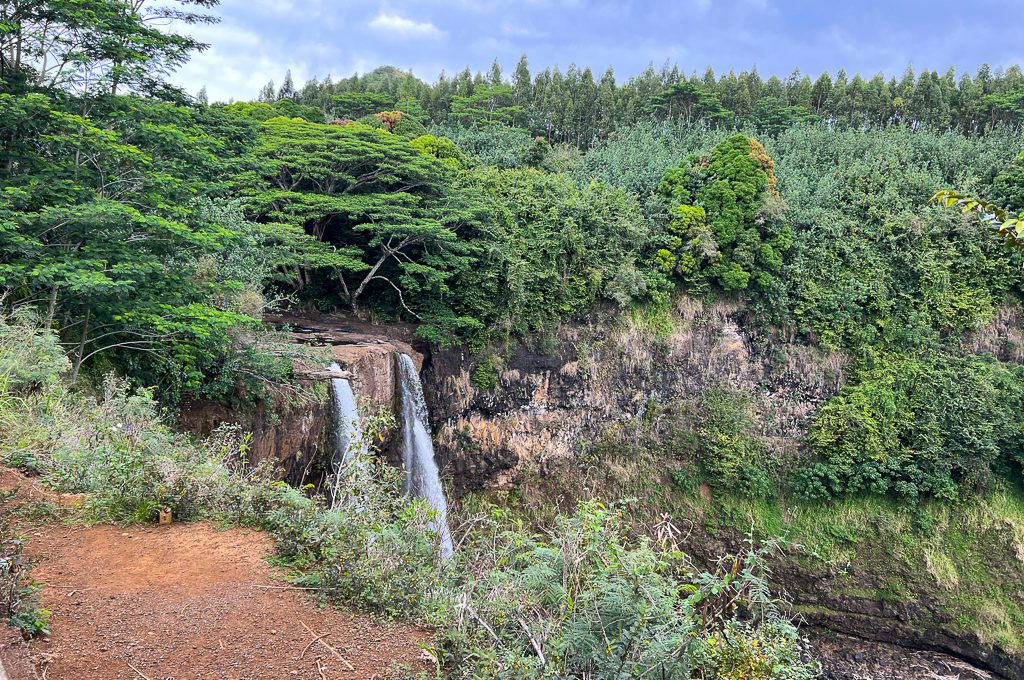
(364, 351)
(534, 424)
(292, 427)
(549, 408)
(287, 427)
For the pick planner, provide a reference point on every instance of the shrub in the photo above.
(443, 149)
(30, 355)
(718, 230)
(119, 452)
(917, 426)
(486, 372)
(376, 551)
(118, 449)
(731, 457)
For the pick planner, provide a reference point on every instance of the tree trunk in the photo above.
(344, 285)
(81, 347)
(52, 308)
(362, 286)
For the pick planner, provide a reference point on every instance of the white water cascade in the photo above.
(421, 477)
(348, 431)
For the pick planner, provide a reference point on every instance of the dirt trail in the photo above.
(184, 602)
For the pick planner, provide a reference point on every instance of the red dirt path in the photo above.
(182, 602)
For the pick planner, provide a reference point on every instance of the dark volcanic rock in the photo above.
(553, 406)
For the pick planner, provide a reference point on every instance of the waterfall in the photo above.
(421, 477)
(348, 432)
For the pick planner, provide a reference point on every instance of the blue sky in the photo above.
(258, 40)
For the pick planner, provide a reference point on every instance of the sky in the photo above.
(260, 40)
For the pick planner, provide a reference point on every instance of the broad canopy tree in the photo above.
(103, 231)
(90, 47)
(385, 215)
(690, 104)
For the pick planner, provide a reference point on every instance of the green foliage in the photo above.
(498, 146)
(96, 47)
(486, 372)
(112, 213)
(771, 116)
(582, 601)
(262, 111)
(654, 317)
(1005, 107)
(291, 109)
(384, 214)
(930, 426)
(732, 459)
(475, 254)
(690, 104)
(114, 245)
(487, 105)
(443, 149)
(718, 230)
(872, 263)
(30, 356)
(536, 153)
(583, 109)
(1008, 227)
(395, 122)
(378, 554)
(1008, 186)
(356, 105)
(121, 454)
(118, 449)
(636, 159)
(549, 250)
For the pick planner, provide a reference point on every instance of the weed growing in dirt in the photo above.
(19, 603)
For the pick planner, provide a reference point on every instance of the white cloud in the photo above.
(399, 25)
(237, 64)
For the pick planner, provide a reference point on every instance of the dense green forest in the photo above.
(579, 109)
(145, 233)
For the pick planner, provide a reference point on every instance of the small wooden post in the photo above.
(165, 516)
